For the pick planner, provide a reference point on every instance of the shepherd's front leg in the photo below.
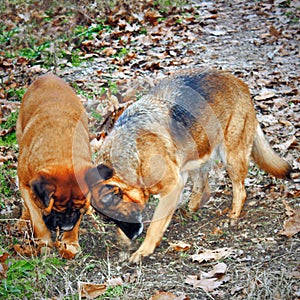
(160, 221)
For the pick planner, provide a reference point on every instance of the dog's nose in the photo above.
(67, 227)
(132, 230)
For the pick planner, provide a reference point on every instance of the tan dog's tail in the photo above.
(267, 159)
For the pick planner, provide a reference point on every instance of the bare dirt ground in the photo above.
(259, 42)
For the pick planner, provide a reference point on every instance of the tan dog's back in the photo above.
(52, 108)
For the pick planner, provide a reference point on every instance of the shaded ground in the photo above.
(259, 42)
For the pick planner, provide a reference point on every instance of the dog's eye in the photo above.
(109, 194)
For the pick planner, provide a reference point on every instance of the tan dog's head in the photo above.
(64, 201)
(114, 199)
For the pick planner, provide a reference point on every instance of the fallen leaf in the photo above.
(291, 226)
(218, 271)
(90, 290)
(180, 246)
(130, 277)
(208, 281)
(113, 282)
(26, 250)
(3, 265)
(216, 231)
(4, 257)
(265, 95)
(159, 295)
(273, 31)
(212, 254)
(217, 32)
(292, 141)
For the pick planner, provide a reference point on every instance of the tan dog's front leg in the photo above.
(160, 221)
(40, 230)
(69, 245)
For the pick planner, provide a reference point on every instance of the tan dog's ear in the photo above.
(100, 173)
(43, 188)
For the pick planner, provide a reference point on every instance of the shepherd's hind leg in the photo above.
(237, 168)
(200, 191)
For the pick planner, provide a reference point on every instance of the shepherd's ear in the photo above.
(99, 173)
(43, 188)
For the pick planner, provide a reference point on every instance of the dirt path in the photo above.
(259, 42)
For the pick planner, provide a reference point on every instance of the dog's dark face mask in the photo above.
(65, 221)
(108, 200)
(69, 214)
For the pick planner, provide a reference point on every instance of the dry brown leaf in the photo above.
(113, 282)
(3, 265)
(152, 16)
(295, 274)
(207, 285)
(162, 296)
(4, 257)
(26, 250)
(212, 254)
(159, 295)
(264, 95)
(180, 246)
(90, 290)
(273, 31)
(93, 290)
(218, 271)
(217, 230)
(287, 144)
(109, 51)
(291, 226)
(208, 281)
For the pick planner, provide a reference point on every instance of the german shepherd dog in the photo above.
(178, 130)
(52, 132)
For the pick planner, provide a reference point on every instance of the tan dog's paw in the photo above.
(137, 256)
(67, 251)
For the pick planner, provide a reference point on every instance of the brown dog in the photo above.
(52, 132)
(180, 128)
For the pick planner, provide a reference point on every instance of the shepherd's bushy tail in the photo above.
(268, 159)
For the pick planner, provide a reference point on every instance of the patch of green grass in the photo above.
(196, 218)
(89, 32)
(292, 16)
(6, 176)
(113, 87)
(35, 51)
(9, 140)
(113, 292)
(11, 120)
(15, 94)
(96, 115)
(165, 5)
(89, 93)
(5, 36)
(143, 30)
(25, 275)
(73, 57)
(123, 52)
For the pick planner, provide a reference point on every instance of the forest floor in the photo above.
(122, 53)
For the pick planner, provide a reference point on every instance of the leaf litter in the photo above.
(257, 41)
